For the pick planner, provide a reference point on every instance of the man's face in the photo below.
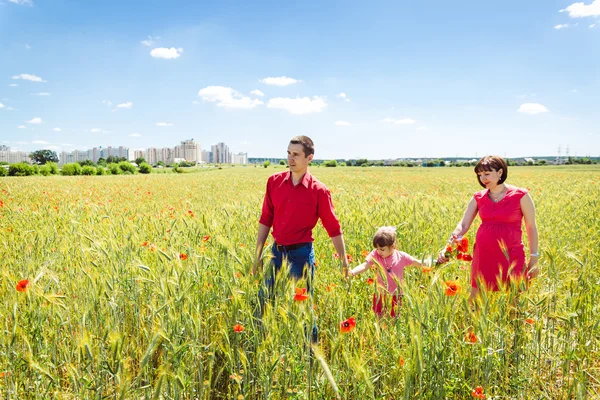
(297, 160)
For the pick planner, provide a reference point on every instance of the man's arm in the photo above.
(263, 234)
(340, 248)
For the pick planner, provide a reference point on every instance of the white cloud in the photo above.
(27, 46)
(344, 97)
(41, 94)
(580, 10)
(532, 108)
(13, 85)
(95, 130)
(298, 105)
(561, 26)
(1, 105)
(163, 124)
(592, 25)
(279, 81)
(227, 97)
(39, 142)
(421, 128)
(257, 93)
(34, 121)
(403, 121)
(28, 77)
(147, 42)
(10, 109)
(21, 127)
(127, 105)
(22, 2)
(135, 135)
(57, 130)
(342, 123)
(166, 53)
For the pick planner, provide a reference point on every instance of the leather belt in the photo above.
(290, 247)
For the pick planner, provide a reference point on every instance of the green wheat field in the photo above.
(137, 282)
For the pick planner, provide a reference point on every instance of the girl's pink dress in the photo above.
(499, 236)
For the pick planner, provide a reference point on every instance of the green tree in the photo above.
(330, 163)
(3, 171)
(126, 166)
(88, 170)
(139, 161)
(20, 169)
(145, 168)
(83, 163)
(266, 163)
(41, 157)
(102, 162)
(282, 162)
(71, 169)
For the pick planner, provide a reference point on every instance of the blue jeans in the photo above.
(300, 263)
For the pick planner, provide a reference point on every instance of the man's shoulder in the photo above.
(315, 184)
(279, 176)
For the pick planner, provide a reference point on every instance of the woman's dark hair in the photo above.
(492, 163)
(385, 236)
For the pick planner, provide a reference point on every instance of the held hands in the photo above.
(454, 239)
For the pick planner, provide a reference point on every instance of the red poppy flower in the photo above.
(467, 257)
(426, 269)
(336, 255)
(478, 393)
(301, 294)
(459, 256)
(347, 325)
(448, 249)
(463, 246)
(183, 256)
(22, 285)
(452, 288)
(190, 213)
(238, 328)
(349, 258)
(401, 362)
(144, 244)
(370, 281)
(530, 321)
(470, 337)
(206, 238)
(364, 253)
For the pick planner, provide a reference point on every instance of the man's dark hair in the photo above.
(307, 144)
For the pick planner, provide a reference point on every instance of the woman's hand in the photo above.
(532, 270)
(442, 257)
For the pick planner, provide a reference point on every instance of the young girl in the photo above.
(390, 264)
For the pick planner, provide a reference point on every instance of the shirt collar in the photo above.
(306, 179)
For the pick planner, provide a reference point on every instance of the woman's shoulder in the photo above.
(517, 191)
(480, 195)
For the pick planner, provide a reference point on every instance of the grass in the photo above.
(136, 283)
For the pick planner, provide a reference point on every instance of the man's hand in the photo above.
(258, 264)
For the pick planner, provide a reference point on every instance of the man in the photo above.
(294, 202)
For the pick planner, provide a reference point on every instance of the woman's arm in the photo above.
(462, 228)
(528, 210)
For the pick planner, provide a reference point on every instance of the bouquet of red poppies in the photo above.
(458, 248)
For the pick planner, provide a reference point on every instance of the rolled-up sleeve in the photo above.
(327, 214)
(266, 217)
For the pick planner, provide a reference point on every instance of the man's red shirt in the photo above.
(293, 211)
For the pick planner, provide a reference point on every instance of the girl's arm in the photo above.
(359, 269)
(528, 210)
(463, 226)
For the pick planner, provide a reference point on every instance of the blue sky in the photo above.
(383, 79)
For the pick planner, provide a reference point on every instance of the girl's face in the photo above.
(490, 178)
(386, 251)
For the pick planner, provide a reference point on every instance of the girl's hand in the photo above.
(442, 257)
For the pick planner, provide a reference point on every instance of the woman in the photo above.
(498, 253)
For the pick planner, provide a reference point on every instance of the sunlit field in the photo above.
(139, 288)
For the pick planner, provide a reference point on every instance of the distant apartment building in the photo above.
(206, 157)
(13, 157)
(189, 150)
(221, 154)
(240, 158)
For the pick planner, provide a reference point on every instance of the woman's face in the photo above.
(490, 178)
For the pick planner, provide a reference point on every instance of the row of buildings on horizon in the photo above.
(188, 150)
